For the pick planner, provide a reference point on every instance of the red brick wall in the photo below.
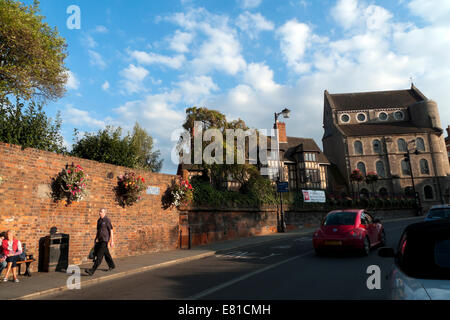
(211, 225)
(26, 208)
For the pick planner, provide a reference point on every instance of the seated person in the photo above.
(2, 256)
(12, 248)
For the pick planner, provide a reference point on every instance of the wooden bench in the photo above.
(27, 262)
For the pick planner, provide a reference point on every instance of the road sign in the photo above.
(282, 187)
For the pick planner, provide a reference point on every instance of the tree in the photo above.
(108, 146)
(30, 128)
(31, 54)
(212, 119)
(143, 143)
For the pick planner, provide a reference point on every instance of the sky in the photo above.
(147, 61)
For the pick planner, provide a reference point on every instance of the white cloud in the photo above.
(295, 39)
(88, 41)
(219, 49)
(346, 13)
(133, 78)
(260, 77)
(105, 86)
(142, 57)
(96, 59)
(249, 4)
(180, 41)
(196, 89)
(80, 117)
(72, 81)
(431, 11)
(101, 29)
(253, 24)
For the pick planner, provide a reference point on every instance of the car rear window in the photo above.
(440, 213)
(341, 218)
(442, 254)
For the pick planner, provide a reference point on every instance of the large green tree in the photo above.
(30, 127)
(110, 146)
(213, 119)
(31, 54)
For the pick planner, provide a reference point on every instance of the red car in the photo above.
(349, 229)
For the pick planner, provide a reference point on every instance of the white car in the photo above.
(422, 262)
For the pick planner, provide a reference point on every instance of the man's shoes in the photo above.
(89, 271)
(111, 268)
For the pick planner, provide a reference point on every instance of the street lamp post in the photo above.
(286, 113)
(416, 195)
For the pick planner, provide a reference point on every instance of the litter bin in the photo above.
(56, 254)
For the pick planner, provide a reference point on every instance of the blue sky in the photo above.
(147, 61)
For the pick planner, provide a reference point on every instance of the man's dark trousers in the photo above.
(101, 250)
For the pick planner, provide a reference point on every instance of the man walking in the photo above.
(103, 239)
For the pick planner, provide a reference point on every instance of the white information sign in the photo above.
(152, 190)
(314, 196)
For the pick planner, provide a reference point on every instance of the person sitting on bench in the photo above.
(2, 256)
(12, 248)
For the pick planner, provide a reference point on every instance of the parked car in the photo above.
(438, 212)
(349, 229)
(421, 270)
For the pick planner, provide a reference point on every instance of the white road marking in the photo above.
(281, 247)
(271, 255)
(246, 276)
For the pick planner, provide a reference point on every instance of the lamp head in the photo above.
(286, 113)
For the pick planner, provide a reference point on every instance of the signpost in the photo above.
(282, 187)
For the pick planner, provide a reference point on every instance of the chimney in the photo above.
(281, 126)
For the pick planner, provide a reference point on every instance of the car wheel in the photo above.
(366, 247)
(382, 239)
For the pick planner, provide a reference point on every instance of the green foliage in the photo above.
(128, 189)
(30, 128)
(70, 183)
(108, 146)
(32, 54)
(257, 191)
(142, 142)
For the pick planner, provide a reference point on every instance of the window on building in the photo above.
(383, 116)
(420, 144)
(380, 169)
(428, 192)
(401, 143)
(424, 169)
(358, 147)
(292, 177)
(309, 157)
(406, 170)
(377, 146)
(345, 118)
(361, 117)
(398, 115)
(361, 167)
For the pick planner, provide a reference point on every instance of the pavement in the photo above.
(41, 284)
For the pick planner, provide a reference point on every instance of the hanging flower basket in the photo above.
(356, 176)
(182, 193)
(129, 188)
(371, 177)
(71, 184)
